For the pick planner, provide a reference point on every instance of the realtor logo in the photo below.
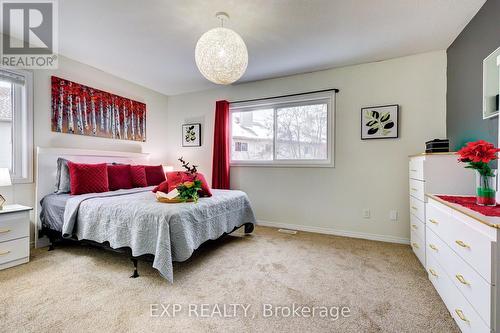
(29, 34)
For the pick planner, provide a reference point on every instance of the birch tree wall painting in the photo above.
(380, 122)
(78, 109)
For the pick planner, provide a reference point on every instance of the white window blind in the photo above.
(16, 124)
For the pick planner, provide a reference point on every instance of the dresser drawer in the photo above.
(465, 316)
(15, 225)
(417, 208)
(417, 189)
(417, 168)
(417, 226)
(418, 246)
(473, 246)
(436, 217)
(14, 249)
(474, 287)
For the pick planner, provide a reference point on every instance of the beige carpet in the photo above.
(74, 289)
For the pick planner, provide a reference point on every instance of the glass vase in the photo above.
(485, 190)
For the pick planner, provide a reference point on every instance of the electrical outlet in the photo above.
(366, 213)
(393, 215)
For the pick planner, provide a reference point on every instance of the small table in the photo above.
(14, 235)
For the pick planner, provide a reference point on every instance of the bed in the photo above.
(133, 219)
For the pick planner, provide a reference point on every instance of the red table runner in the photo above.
(470, 202)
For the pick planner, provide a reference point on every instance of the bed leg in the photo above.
(249, 228)
(136, 274)
(52, 245)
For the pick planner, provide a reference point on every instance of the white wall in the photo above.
(367, 174)
(156, 104)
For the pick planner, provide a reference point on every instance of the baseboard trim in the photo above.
(336, 232)
(44, 241)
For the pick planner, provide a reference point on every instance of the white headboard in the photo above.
(46, 169)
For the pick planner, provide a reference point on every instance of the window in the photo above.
(16, 124)
(284, 131)
(5, 125)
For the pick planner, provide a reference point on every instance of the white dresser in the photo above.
(433, 173)
(14, 235)
(462, 263)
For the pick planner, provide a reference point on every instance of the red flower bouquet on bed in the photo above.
(189, 191)
(190, 185)
(478, 155)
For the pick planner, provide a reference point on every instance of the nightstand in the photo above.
(14, 235)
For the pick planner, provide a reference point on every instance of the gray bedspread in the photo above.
(52, 213)
(171, 232)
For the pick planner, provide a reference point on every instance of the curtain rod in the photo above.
(291, 95)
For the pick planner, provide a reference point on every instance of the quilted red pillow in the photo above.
(88, 178)
(119, 177)
(174, 178)
(138, 176)
(154, 174)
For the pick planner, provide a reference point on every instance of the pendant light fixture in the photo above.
(221, 54)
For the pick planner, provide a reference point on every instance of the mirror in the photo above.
(491, 85)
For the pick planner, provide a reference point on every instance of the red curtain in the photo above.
(220, 163)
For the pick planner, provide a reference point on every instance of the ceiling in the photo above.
(151, 42)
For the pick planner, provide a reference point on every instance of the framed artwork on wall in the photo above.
(83, 110)
(191, 135)
(380, 122)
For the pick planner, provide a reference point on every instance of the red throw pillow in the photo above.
(174, 178)
(154, 174)
(88, 178)
(205, 189)
(119, 177)
(138, 176)
(163, 187)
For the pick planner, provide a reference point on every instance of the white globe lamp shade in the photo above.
(221, 56)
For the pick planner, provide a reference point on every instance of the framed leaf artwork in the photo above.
(191, 135)
(380, 122)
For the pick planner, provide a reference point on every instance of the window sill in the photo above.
(282, 165)
(22, 181)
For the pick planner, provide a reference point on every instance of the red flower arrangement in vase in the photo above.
(478, 155)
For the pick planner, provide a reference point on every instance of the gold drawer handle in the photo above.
(414, 189)
(432, 246)
(433, 221)
(462, 280)
(413, 170)
(462, 244)
(415, 245)
(4, 231)
(414, 226)
(433, 272)
(461, 315)
(4, 253)
(414, 208)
